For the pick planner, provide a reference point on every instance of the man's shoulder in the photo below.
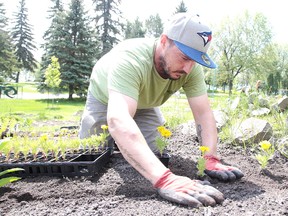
(136, 51)
(148, 41)
(136, 44)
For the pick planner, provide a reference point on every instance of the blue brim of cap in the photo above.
(199, 57)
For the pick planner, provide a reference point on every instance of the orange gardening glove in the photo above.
(215, 169)
(183, 190)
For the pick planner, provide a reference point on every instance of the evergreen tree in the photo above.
(134, 29)
(80, 50)
(8, 62)
(108, 23)
(23, 39)
(71, 40)
(181, 8)
(154, 26)
(54, 40)
(58, 6)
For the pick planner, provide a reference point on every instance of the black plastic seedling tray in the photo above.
(165, 159)
(82, 165)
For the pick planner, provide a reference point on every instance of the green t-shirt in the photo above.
(129, 69)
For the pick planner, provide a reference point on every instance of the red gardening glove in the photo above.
(215, 169)
(185, 191)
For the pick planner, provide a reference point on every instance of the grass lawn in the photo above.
(176, 110)
(25, 87)
(63, 109)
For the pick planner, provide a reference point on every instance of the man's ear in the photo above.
(163, 40)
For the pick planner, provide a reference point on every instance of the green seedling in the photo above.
(266, 152)
(201, 163)
(7, 180)
(162, 141)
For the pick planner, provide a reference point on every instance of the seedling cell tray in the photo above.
(82, 165)
(165, 159)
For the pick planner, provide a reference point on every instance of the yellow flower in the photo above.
(204, 149)
(265, 154)
(265, 145)
(161, 129)
(164, 132)
(104, 127)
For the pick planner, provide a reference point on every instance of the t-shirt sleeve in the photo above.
(195, 84)
(125, 76)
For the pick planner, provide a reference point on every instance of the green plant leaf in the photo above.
(4, 142)
(11, 170)
(7, 180)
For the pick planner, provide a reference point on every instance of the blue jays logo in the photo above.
(206, 36)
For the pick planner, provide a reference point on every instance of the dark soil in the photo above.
(120, 190)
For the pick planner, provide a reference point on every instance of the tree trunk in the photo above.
(70, 92)
(230, 87)
(17, 77)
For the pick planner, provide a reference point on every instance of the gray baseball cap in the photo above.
(191, 37)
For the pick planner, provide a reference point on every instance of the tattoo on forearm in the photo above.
(199, 131)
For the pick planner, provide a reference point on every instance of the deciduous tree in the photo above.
(239, 43)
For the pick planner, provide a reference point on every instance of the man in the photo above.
(128, 85)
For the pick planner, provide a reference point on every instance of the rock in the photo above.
(253, 97)
(281, 105)
(221, 118)
(260, 112)
(282, 146)
(253, 130)
(263, 102)
(188, 128)
(235, 103)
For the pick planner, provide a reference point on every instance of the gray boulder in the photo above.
(253, 130)
(281, 105)
(221, 118)
(282, 146)
(260, 112)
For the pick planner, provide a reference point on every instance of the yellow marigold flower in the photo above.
(265, 145)
(161, 129)
(166, 133)
(204, 149)
(104, 127)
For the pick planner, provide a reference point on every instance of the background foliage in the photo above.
(243, 47)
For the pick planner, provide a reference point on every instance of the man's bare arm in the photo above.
(129, 138)
(205, 122)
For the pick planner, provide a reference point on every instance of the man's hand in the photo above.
(215, 169)
(185, 191)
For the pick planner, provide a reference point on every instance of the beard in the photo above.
(165, 71)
